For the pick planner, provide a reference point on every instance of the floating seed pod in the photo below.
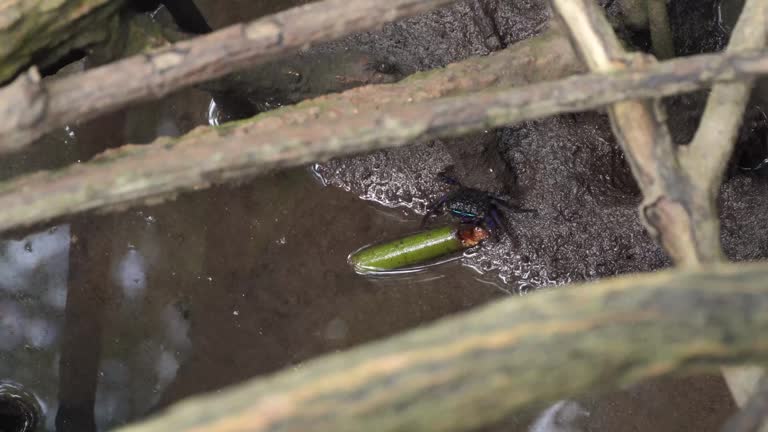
(417, 249)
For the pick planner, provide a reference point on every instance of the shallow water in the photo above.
(170, 301)
(109, 318)
(161, 303)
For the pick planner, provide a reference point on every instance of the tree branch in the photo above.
(753, 415)
(150, 76)
(42, 32)
(711, 147)
(661, 30)
(679, 190)
(358, 120)
(641, 130)
(471, 370)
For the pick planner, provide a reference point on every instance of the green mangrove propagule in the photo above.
(417, 249)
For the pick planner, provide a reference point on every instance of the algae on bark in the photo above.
(43, 31)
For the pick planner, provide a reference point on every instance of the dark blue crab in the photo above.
(473, 206)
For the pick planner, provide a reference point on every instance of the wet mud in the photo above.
(109, 318)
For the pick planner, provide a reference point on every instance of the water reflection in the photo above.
(562, 416)
(20, 410)
(98, 315)
(130, 274)
(157, 305)
(67, 320)
(33, 284)
(36, 264)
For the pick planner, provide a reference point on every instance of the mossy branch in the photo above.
(151, 76)
(753, 414)
(471, 370)
(42, 31)
(359, 120)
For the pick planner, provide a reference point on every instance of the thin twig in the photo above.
(150, 76)
(44, 32)
(754, 414)
(318, 130)
(679, 186)
(641, 129)
(711, 147)
(471, 370)
(706, 157)
(661, 30)
(321, 129)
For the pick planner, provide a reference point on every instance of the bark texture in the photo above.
(316, 130)
(151, 76)
(471, 370)
(679, 186)
(42, 31)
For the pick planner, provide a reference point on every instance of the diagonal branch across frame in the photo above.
(679, 186)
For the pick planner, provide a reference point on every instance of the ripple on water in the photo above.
(407, 178)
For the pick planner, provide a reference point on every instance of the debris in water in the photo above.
(417, 249)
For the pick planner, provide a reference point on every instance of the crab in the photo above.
(473, 206)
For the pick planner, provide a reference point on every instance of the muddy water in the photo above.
(169, 301)
(108, 318)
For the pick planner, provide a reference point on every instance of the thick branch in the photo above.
(333, 126)
(151, 76)
(640, 126)
(716, 136)
(467, 371)
(41, 32)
